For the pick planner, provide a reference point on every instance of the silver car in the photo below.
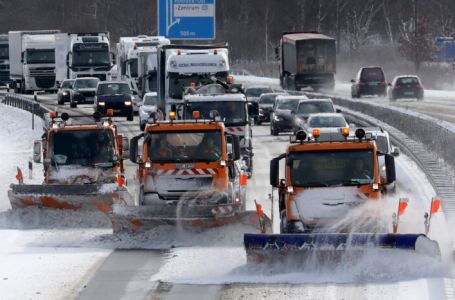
(148, 106)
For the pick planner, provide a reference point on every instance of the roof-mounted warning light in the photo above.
(53, 114)
(345, 132)
(196, 114)
(215, 51)
(179, 52)
(229, 79)
(316, 133)
(172, 115)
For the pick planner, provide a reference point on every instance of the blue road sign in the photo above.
(186, 19)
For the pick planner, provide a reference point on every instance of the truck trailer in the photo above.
(307, 60)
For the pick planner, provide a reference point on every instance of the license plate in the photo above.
(409, 93)
(117, 110)
(184, 166)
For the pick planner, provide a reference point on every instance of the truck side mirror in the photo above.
(113, 58)
(22, 57)
(37, 151)
(277, 53)
(126, 147)
(274, 172)
(390, 168)
(133, 148)
(236, 145)
(253, 109)
(396, 151)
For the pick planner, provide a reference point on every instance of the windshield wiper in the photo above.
(357, 181)
(103, 165)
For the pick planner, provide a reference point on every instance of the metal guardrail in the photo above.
(27, 104)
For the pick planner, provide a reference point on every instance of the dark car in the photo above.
(115, 95)
(311, 106)
(253, 93)
(64, 91)
(83, 91)
(406, 86)
(369, 81)
(282, 118)
(266, 103)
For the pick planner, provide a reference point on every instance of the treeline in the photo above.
(253, 27)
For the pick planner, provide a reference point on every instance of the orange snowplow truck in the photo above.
(83, 166)
(324, 179)
(188, 172)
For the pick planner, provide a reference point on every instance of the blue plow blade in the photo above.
(260, 247)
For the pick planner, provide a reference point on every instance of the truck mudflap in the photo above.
(133, 219)
(67, 196)
(269, 248)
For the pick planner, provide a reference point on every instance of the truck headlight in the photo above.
(276, 118)
(128, 103)
(101, 103)
(65, 93)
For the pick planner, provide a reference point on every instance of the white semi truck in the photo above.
(83, 55)
(32, 60)
(4, 60)
(128, 49)
(180, 66)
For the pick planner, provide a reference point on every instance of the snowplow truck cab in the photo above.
(83, 166)
(186, 172)
(324, 179)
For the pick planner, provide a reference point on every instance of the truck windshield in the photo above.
(83, 147)
(4, 51)
(232, 112)
(185, 146)
(331, 168)
(91, 56)
(113, 89)
(37, 56)
(306, 108)
(178, 82)
(257, 92)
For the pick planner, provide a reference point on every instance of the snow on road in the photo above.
(29, 269)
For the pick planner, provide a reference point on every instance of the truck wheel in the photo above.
(273, 131)
(130, 117)
(73, 104)
(283, 221)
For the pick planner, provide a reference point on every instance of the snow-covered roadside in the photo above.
(16, 148)
(28, 268)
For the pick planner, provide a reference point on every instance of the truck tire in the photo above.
(73, 104)
(130, 117)
(283, 221)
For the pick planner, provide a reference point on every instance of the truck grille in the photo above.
(45, 82)
(38, 72)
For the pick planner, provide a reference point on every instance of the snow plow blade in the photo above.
(140, 219)
(67, 196)
(269, 247)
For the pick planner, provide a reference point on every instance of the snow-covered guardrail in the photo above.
(25, 103)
